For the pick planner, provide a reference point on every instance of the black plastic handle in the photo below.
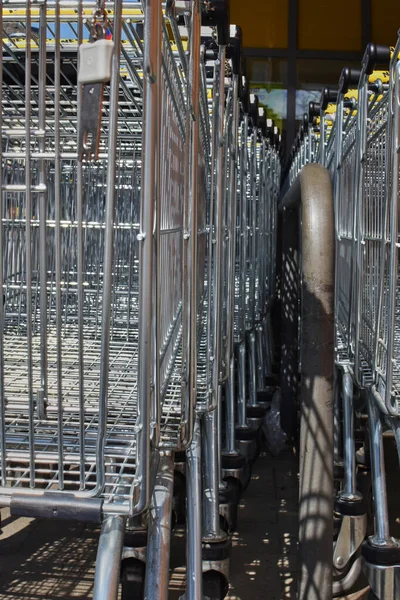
(234, 49)
(375, 54)
(314, 110)
(253, 109)
(305, 121)
(262, 121)
(348, 78)
(328, 96)
(244, 95)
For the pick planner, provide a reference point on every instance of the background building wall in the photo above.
(295, 47)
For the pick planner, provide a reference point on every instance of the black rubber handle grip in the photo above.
(305, 121)
(244, 95)
(253, 109)
(262, 120)
(270, 134)
(328, 96)
(375, 54)
(314, 110)
(301, 132)
(234, 50)
(348, 78)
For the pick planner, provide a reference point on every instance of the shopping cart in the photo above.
(350, 504)
(208, 543)
(95, 349)
(377, 326)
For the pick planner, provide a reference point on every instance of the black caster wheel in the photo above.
(132, 579)
(215, 586)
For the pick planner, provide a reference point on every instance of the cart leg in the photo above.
(245, 436)
(108, 562)
(350, 505)
(159, 537)
(381, 552)
(242, 384)
(211, 474)
(262, 358)
(194, 578)
(230, 445)
(337, 421)
(253, 369)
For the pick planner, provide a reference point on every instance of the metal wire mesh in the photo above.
(54, 213)
(371, 219)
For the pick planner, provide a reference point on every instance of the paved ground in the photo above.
(44, 559)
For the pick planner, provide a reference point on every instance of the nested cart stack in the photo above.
(138, 249)
(365, 182)
(100, 180)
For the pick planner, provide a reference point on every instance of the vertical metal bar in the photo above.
(356, 264)
(211, 524)
(393, 156)
(109, 246)
(28, 251)
(57, 203)
(219, 167)
(194, 82)
(252, 369)
(194, 517)
(159, 535)
(210, 324)
(348, 430)
(2, 302)
(43, 202)
(150, 160)
(252, 227)
(337, 420)
(242, 384)
(381, 514)
(108, 561)
(231, 213)
(157, 256)
(244, 232)
(79, 281)
(230, 409)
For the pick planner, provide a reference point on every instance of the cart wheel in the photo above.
(344, 581)
(132, 579)
(215, 586)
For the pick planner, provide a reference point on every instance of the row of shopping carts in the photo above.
(353, 132)
(139, 194)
